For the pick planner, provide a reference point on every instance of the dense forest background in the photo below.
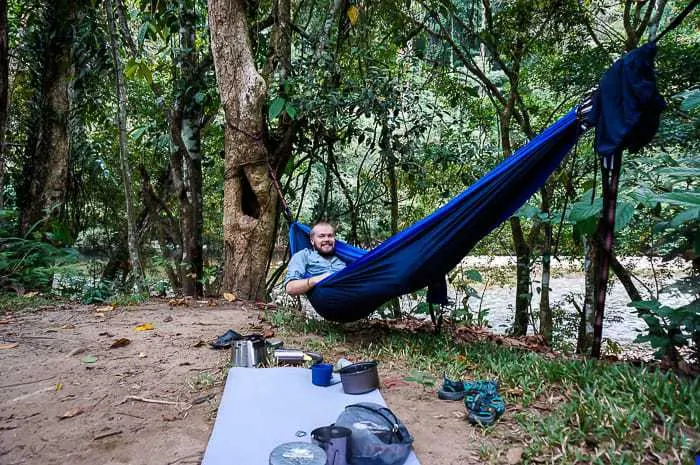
(142, 140)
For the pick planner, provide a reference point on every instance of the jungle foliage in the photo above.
(392, 108)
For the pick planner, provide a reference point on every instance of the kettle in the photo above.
(249, 352)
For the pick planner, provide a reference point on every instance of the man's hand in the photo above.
(302, 286)
(317, 279)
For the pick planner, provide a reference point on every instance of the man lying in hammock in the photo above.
(309, 267)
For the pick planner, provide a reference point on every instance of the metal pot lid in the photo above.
(297, 453)
(357, 367)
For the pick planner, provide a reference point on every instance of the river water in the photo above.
(621, 323)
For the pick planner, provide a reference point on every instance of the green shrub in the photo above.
(30, 262)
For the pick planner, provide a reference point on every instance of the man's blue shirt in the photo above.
(307, 263)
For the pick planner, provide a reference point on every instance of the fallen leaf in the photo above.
(392, 383)
(121, 342)
(10, 345)
(145, 327)
(516, 391)
(514, 455)
(68, 326)
(59, 386)
(72, 413)
(199, 343)
(268, 333)
(29, 295)
(353, 14)
(99, 314)
(212, 303)
(89, 359)
(229, 296)
(106, 308)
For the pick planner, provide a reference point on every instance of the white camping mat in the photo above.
(262, 408)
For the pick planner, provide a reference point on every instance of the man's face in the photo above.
(323, 239)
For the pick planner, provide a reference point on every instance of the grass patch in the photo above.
(570, 411)
(11, 302)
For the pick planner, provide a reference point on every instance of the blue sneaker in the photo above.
(457, 390)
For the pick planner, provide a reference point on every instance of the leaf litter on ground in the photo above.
(121, 342)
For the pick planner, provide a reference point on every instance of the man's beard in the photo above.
(325, 254)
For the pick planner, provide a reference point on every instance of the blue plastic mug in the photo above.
(321, 374)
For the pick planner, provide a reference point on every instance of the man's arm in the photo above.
(302, 286)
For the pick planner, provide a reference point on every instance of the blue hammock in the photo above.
(425, 252)
(422, 254)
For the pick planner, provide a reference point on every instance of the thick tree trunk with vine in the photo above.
(45, 170)
(249, 196)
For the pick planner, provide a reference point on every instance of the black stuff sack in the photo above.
(378, 436)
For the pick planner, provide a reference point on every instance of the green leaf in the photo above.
(137, 133)
(291, 110)
(89, 359)
(691, 101)
(199, 97)
(474, 275)
(145, 73)
(586, 227)
(645, 196)
(689, 199)
(623, 215)
(692, 214)
(680, 172)
(472, 91)
(142, 33)
(276, 107)
(645, 304)
(131, 68)
(584, 210)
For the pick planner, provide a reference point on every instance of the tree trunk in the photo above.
(249, 196)
(388, 155)
(522, 288)
(45, 170)
(545, 316)
(4, 100)
(606, 234)
(585, 329)
(132, 238)
(188, 123)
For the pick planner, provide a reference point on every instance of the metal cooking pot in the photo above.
(359, 378)
(249, 351)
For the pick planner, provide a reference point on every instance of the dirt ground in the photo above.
(67, 397)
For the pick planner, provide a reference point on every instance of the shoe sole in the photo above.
(448, 395)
